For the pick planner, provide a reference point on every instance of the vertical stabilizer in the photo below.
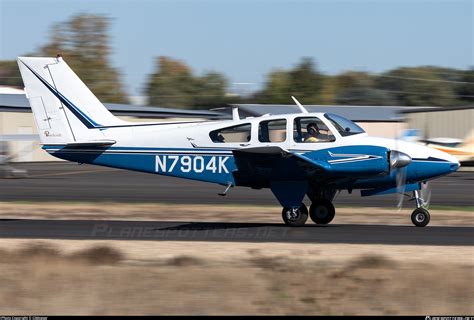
(65, 110)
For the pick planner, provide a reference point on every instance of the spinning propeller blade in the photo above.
(401, 177)
(398, 162)
(425, 194)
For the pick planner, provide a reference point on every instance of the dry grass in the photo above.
(44, 251)
(146, 277)
(51, 278)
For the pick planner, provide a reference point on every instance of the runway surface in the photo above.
(237, 232)
(60, 181)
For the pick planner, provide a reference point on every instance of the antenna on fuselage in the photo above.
(235, 113)
(300, 106)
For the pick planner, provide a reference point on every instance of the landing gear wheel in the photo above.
(322, 211)
(420, 217)
(295, 217)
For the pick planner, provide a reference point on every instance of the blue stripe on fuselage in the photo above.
(144, 159)
(215, 167)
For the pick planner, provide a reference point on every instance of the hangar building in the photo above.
(384, 121)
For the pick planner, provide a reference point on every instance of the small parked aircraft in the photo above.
(6, 169)
(462, 149)
(313, 154)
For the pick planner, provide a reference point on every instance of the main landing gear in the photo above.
(295, 217)
(321, 211)
(420, 216)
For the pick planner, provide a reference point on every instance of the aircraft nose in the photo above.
(452, 160)
(437, 163)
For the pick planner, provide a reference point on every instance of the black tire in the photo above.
(295, 218)
(322, 211)
(420, 217)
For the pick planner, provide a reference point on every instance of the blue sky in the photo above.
(247, 39)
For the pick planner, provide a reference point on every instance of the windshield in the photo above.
(345, 126)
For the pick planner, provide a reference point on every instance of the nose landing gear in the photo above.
(420, 216)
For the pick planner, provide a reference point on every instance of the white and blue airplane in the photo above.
(313, 154)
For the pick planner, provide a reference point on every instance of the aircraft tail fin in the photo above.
(65, 110)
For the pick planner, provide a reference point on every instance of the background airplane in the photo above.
(295, 155)
(462, 149)
(6, 169)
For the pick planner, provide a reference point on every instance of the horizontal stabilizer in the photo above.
(95, 143)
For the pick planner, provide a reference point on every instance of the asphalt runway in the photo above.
(61, 181)
(234, 232)
(70, 182)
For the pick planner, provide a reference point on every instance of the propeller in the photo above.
(425, 191)
(425, 194)
(398, 163)
(400, 178)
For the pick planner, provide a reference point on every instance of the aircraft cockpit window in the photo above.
(311, 130)
(345, 126)
(234, 134)
(272, 131)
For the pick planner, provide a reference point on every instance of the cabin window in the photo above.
(272, 131)
(234, 134)
(311, 130)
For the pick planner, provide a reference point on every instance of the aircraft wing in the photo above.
(257, 166)
(19, 137)
(277, 153)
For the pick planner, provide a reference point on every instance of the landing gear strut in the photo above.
(295, 216)
(420, 217)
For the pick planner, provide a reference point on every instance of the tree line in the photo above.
(85, 43)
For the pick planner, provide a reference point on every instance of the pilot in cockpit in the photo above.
(217, 137)
(313, 132)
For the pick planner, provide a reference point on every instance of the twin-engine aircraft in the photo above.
(313, 154)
